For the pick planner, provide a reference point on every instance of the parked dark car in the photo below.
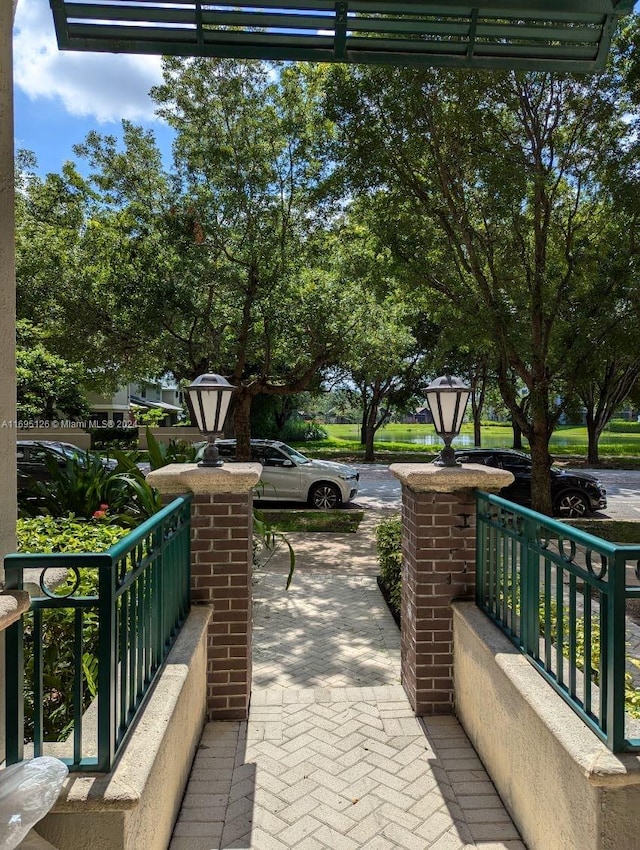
(32, 466)
(573, 494)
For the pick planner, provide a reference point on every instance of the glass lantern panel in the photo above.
(214, 405)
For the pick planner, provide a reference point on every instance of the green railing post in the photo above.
(529, 589)
(580, 580)
(616, 653)
(107, 665)
(481, 552)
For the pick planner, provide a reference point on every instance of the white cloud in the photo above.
(105, 86)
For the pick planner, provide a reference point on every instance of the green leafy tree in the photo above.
(224, 262)
(489, 187)
(47, 386)
(385, 368)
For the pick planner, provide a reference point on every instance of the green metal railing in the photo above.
(123, 609)
(560, 595)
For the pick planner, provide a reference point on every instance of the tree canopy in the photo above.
(490, 186)
(370, 219)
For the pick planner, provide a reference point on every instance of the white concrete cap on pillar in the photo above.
(429, 478)
(13, 604)
(179, 478)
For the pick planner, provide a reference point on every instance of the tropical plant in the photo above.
(85, 487)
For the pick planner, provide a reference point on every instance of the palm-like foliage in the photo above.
(85, 487)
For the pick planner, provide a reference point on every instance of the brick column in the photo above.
(221, 569)
(438, 566)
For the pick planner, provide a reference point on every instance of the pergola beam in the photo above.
(570, 35)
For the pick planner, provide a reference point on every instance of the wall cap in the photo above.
(179, 478)
(13, 604)
(428, 478)
(474, 631)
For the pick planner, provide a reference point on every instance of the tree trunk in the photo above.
(593, 452)
(282, 413)
(479, 379)
(477, 431)
(539, 436)
(593, 437)
(540, 475)
(242, 423)
(369, 451)
(370, 429)
(517, 435)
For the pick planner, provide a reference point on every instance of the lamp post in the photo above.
(209, 396)
(447, 398)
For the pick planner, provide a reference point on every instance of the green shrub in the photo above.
(45, 534)
(300, 431)
(623, 426)
(108, 438)
(389, 548)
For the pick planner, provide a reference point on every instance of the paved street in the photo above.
(623, 492)
(380, 490)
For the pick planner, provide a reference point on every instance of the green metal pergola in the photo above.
(557, 35)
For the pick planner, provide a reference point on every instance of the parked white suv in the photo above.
(289, 476)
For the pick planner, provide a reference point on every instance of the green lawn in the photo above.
(394, 443)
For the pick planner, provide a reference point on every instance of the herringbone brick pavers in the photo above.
(332, 757)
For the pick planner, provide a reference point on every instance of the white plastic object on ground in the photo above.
(27, 791)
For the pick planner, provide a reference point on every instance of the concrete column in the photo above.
(438, 566)
(221, 570)
(7, 314)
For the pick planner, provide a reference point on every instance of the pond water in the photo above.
(502, 439)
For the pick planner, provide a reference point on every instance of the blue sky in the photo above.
(60, 96)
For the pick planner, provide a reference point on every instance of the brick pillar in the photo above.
(221, 568)
(438, 566)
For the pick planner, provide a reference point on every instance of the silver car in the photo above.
(290, 476)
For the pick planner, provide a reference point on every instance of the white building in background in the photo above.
(124, 405)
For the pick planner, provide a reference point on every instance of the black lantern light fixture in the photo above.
(209, 396)
(447, 398)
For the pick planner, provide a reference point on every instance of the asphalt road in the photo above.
(381, 491)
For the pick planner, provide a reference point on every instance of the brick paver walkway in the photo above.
(332, 757)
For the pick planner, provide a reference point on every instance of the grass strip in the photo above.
(340, 521)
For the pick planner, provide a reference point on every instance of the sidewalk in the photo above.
(332, 757)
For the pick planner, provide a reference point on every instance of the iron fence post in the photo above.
(616, 654)
(107, 664)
